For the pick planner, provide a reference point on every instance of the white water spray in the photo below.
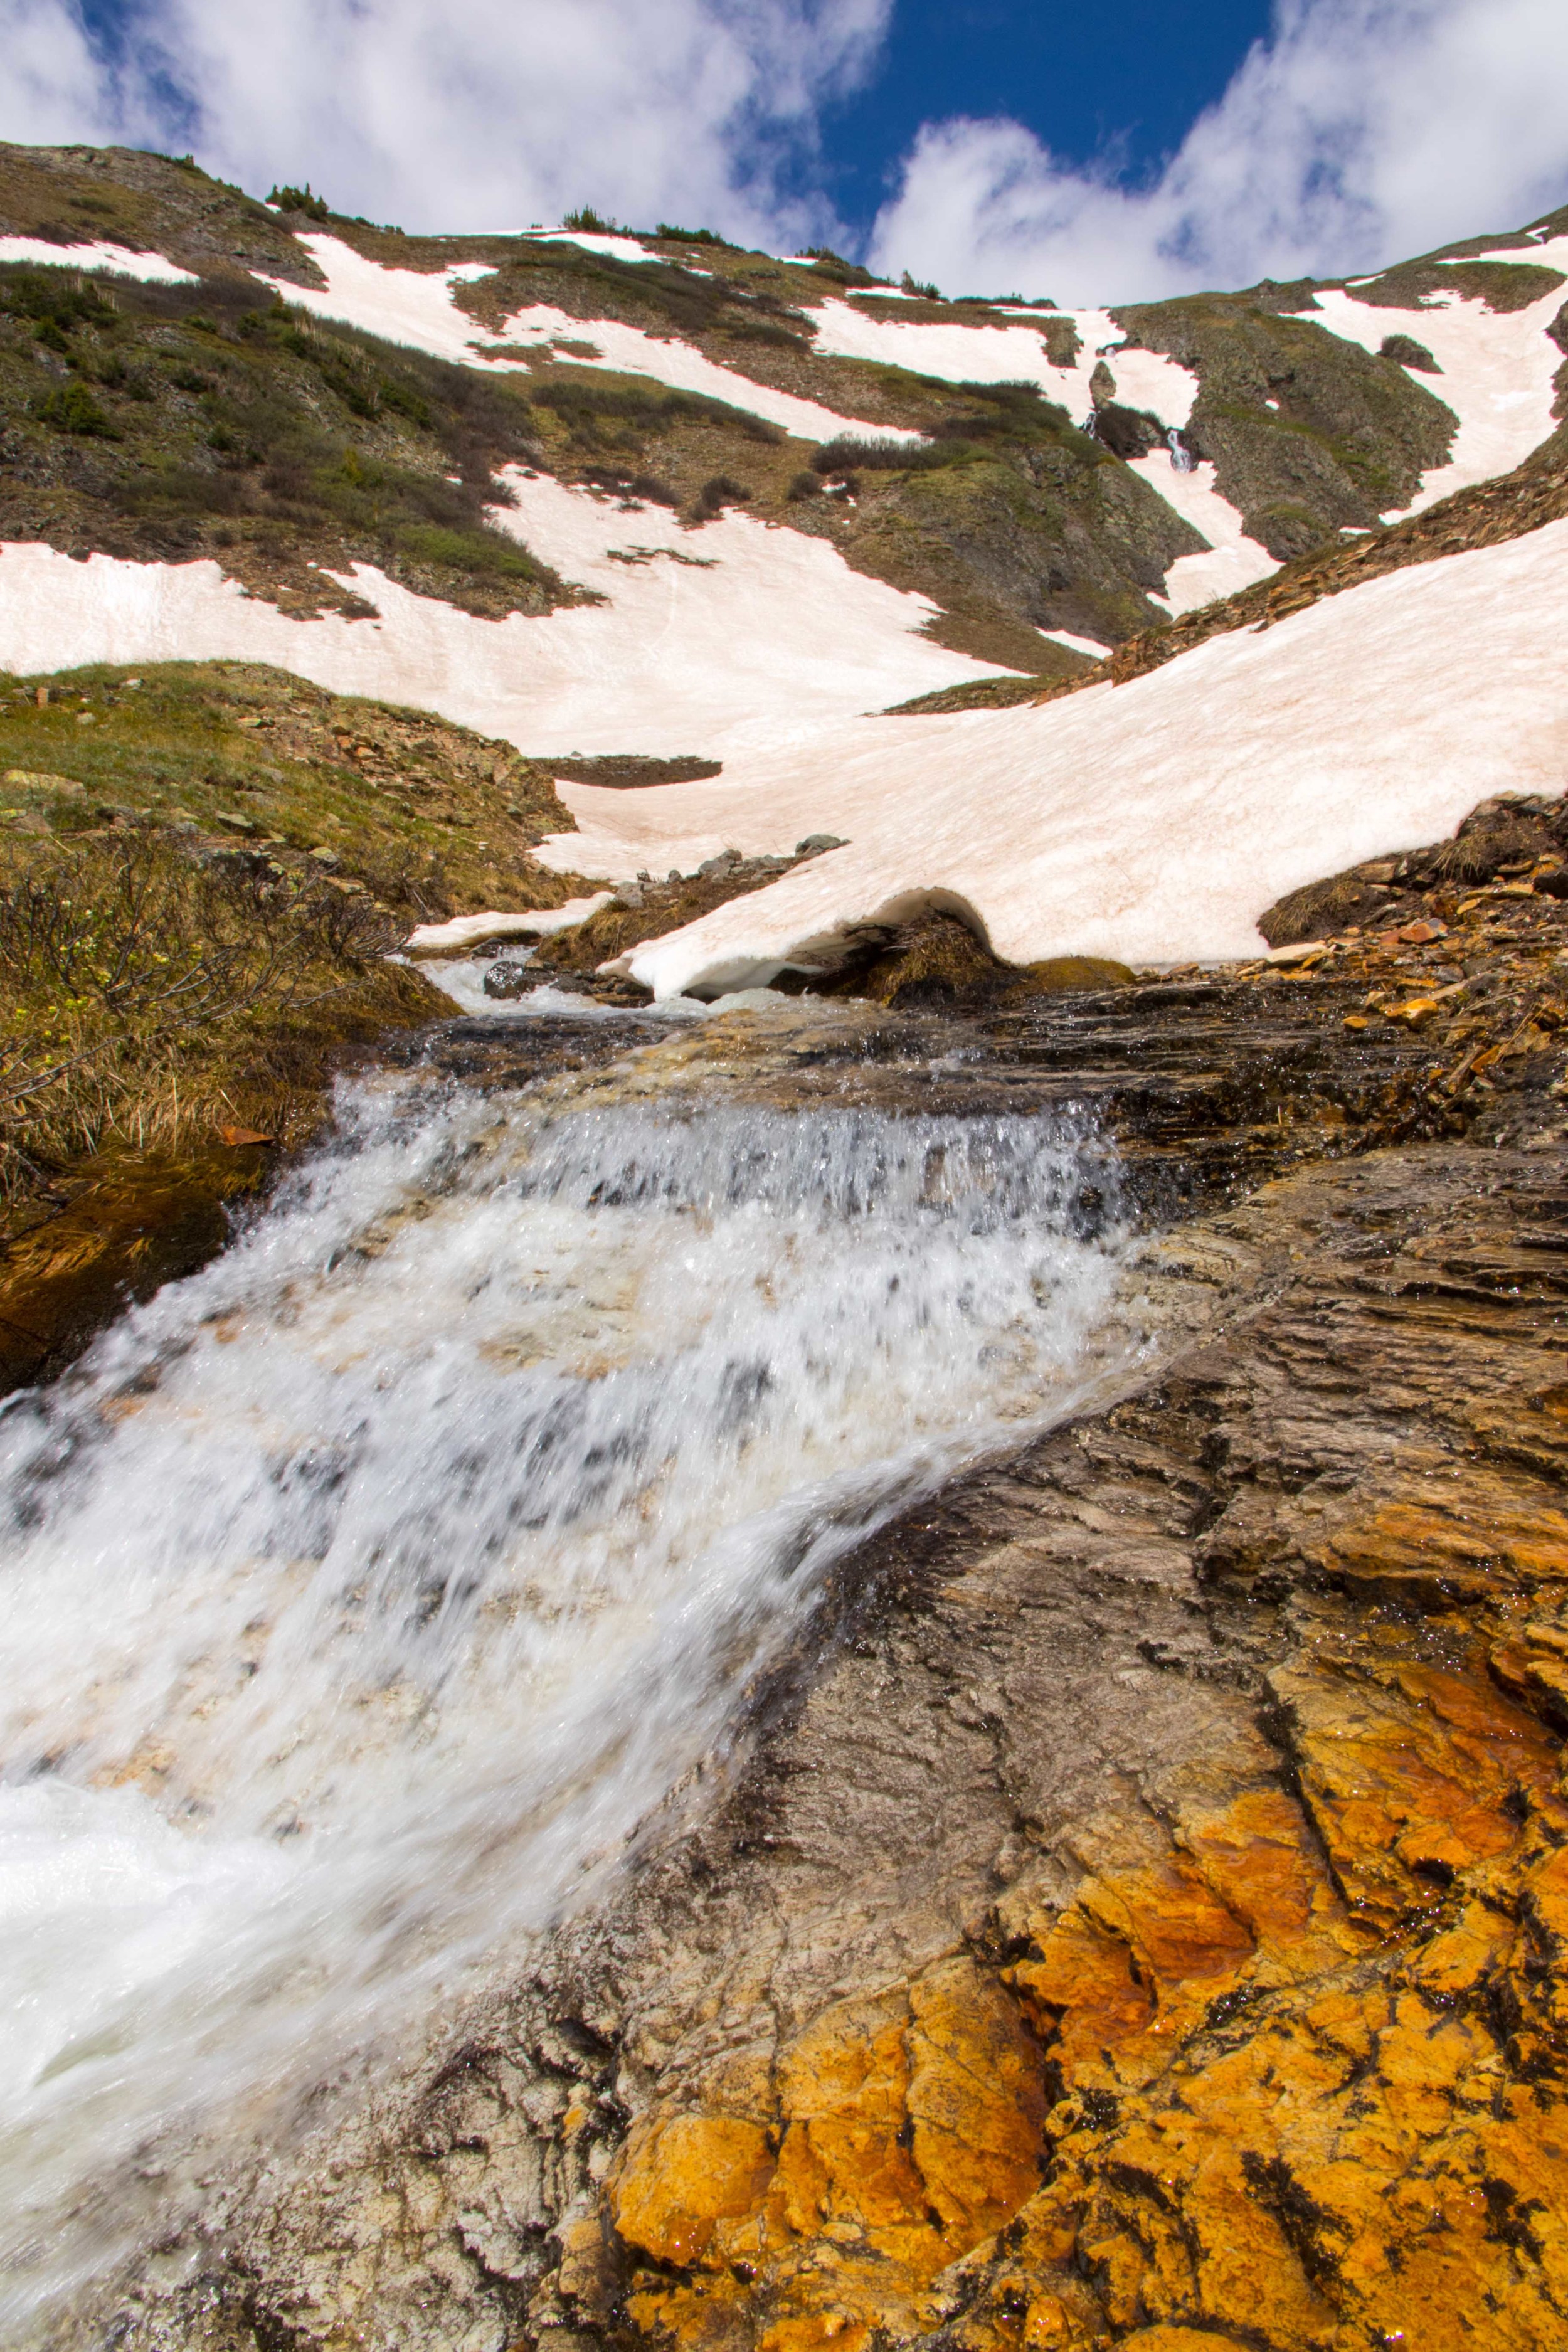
(365, 1591)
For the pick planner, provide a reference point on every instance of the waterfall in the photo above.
(1180, 455)
(365, 1590)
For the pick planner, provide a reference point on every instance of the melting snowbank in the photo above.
(416, 307)
(1497, 369)
(1234, 560)
(739, 633)
(366, 1589)
(150, 267)
(1154, 821)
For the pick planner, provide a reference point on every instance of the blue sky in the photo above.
(1125, 82)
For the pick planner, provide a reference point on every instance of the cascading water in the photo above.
(365, 1591)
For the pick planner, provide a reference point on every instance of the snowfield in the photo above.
(1146, 380)
(416, 308)
(1152, 822)
(742, 634)
(1497, 369)
(150, 267)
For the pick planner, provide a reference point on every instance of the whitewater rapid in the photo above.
(366, 1592)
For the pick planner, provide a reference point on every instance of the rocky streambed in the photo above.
(1129, 1905)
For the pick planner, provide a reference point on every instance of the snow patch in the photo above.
(150, 267)
(628, 351)
(535, 923)
(619, 248)
(1151, 822)
(1233, 560)
(1014, 354)
(1089, 646)
(739, 633)
(416, 308)
(1497, 371)
(413, 307)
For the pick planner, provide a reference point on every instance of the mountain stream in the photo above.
(367, 1589)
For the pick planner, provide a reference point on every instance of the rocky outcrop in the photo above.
(1138, 1917)
(1244, 1693)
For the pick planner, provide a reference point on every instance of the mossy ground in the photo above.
(167, 1017)
(1309, 434)
(201, 875)
(431, 818)
(172, 423)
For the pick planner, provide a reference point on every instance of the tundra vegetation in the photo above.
(216, 419)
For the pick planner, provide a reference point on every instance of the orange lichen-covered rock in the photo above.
(976, 2102)
(907, 2128)
(1432, 1543)
(1410, 1780)
(1309, 2059)
(1255, 1852)
(1532, 1663)
(682, 2177)
(1353, 2143)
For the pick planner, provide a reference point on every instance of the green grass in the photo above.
(174, 421)
(200, 875)
(144, 993)
(431, 818)
(1500, 285)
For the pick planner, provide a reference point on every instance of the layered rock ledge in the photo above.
(1139, 1917)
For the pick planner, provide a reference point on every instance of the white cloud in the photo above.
(50, 82)
(486, 113)
(1360, 132)
(1355, 135)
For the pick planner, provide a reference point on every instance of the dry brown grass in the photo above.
(150, 995)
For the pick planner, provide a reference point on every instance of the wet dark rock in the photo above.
(113, 1235)
(505, 982)
(630, 771)
(1127, 431)
(653, 908)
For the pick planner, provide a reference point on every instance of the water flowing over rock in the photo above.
(844, 1623)
(369, 1588)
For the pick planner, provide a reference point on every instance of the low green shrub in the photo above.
(580, 404)
(72, 409)
(717, 493)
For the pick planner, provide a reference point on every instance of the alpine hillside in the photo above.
(783, 1067)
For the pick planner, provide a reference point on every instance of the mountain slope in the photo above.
(601, 495)
(1300, 419)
